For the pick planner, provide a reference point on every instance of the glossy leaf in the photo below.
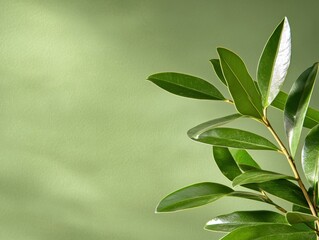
(230, 137)
(297, 104)
(240, 84)
(312, 115)
(244, 160)
(201, 128)
(186, 85)
(218, 70)
(310, 156)
(284, 189)
(258, 176)
(232, 221)
(270, 231)
(193, 196)
(225, 162)
(297, 217)
(274, 62)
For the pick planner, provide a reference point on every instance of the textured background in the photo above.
(88, 147)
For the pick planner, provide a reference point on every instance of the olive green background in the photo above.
(88, 147)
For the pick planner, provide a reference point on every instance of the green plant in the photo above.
(252, 99)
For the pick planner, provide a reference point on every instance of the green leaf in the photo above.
(201, 128)
(193, 196)
(297, 104)
(250, 196)
(274, 62)
(225, 162)
(186, 86)
(232, 221)
(230, 137)
(284, 189)
(302, 226)
(270, 231)
(240, 84)
(243, 159)
(310, 156)
(218, 70)
(312, 115)
(297, 217)
(258, 176)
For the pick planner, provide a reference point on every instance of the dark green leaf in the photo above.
(186, 85)
(297, 217)
(225, 162)
(297, 104)
(232, 221)
(243, 159)
(258, 176)
(229, 137)
(302, 226)
(312, 116)
(193, 196)
(274, 62)
(270, 232)
(310, 156)
(250, 196)
(218, 70)
(240, 84)
(199, 129)
(284, 189)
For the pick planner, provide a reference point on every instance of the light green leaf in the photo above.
(310, 156)
(258, 176)
(274, 62)
(186, 85)
(193, 196)
(297, 217)
(201, 128)
(232, 221)
(243, 159)
(218, 70)
(270, 232)
(235, 138)
(225, 162)
(240, 84)
(297, 104)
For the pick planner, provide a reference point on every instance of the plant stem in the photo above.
(293, 168)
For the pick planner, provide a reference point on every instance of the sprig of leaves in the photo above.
(251, 100)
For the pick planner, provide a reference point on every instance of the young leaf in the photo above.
(240, 84)
(274, 62)
(225, 162)
(186, 86)
(235, 138)
(218, 70)
(310, 156)
(297, 104)
(199, 129)
(297, 217)
(270, 231)
(243, 159)
(193, 196)
(232, 221)
(258, 176)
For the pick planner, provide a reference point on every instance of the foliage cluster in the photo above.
(251, 100)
